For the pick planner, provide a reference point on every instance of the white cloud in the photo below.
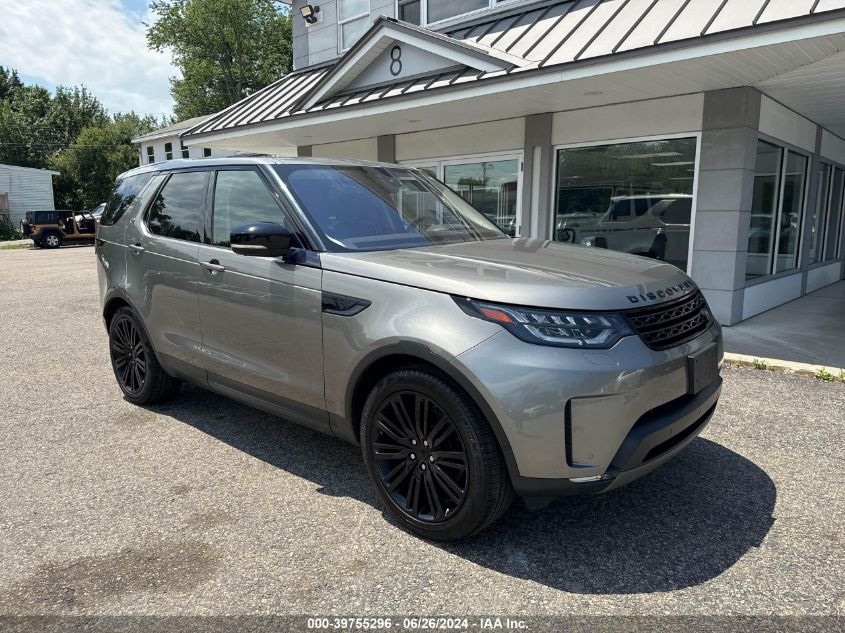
(91, 42)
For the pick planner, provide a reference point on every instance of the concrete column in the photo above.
(725, 191)
(304, 151)
(386, 148)
(537, 177)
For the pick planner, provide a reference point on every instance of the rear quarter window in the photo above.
(123, 196)
(45, 217)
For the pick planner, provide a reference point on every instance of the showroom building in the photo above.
(707, 133)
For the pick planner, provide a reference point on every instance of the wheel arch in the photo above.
(112, 305)
(381, 362)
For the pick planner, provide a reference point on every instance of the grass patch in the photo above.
(823, 374)
(11, 247)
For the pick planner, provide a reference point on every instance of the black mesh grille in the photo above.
(669, 324)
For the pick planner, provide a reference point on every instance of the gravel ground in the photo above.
(203, 506)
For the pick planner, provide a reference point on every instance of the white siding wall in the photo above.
(158, 147)
(28, 189)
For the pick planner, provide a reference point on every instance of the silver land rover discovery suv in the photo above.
(372, 302)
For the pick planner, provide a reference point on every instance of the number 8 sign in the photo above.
(396, 61)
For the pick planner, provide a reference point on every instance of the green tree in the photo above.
(71, 132)
(71, 111)
(21, 127)
(225, 49)
(15, 137)
(9, 83)
(99, 154)
(34, 124)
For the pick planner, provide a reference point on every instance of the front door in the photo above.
(261, 319)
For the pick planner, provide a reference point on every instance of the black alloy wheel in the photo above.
(129, 355)
(139, 374)
(432, 456)
(420, 457)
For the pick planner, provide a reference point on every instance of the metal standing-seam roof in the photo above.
(543, 35)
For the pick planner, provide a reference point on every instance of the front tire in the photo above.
(136, 368)
(432, 456)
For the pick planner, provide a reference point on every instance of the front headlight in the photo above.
(558, 328)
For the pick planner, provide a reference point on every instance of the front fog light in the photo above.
(586, 480)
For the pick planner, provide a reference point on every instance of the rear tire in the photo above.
(51, 239)
(136, 368)
(432, 457)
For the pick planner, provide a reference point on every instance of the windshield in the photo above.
(363, 208)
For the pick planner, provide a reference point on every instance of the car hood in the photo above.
(523, 271)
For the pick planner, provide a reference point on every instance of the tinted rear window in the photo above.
(177, 211)
(123, 196)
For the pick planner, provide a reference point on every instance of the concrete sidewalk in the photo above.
(808, 330)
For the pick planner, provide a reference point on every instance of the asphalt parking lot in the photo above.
(203, 506)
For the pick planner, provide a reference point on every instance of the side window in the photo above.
(123, 196)
(177, 210)
(151, 154)
(678, 212)
(240, 197)
(168, 151)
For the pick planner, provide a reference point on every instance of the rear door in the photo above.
(129, 195)
(162, 269)
(261, 318)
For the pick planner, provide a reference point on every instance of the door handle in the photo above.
(213, 266)
(137, 249)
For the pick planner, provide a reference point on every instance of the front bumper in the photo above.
(599, 417)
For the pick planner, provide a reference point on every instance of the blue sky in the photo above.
(98, 43)
(137, 7)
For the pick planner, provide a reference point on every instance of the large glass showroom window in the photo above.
(825, 236)
(777, 208)
(491, 185)
(631, 197)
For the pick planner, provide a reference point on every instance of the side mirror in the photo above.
(264, 239)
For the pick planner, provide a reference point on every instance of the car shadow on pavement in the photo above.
(684, 524)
